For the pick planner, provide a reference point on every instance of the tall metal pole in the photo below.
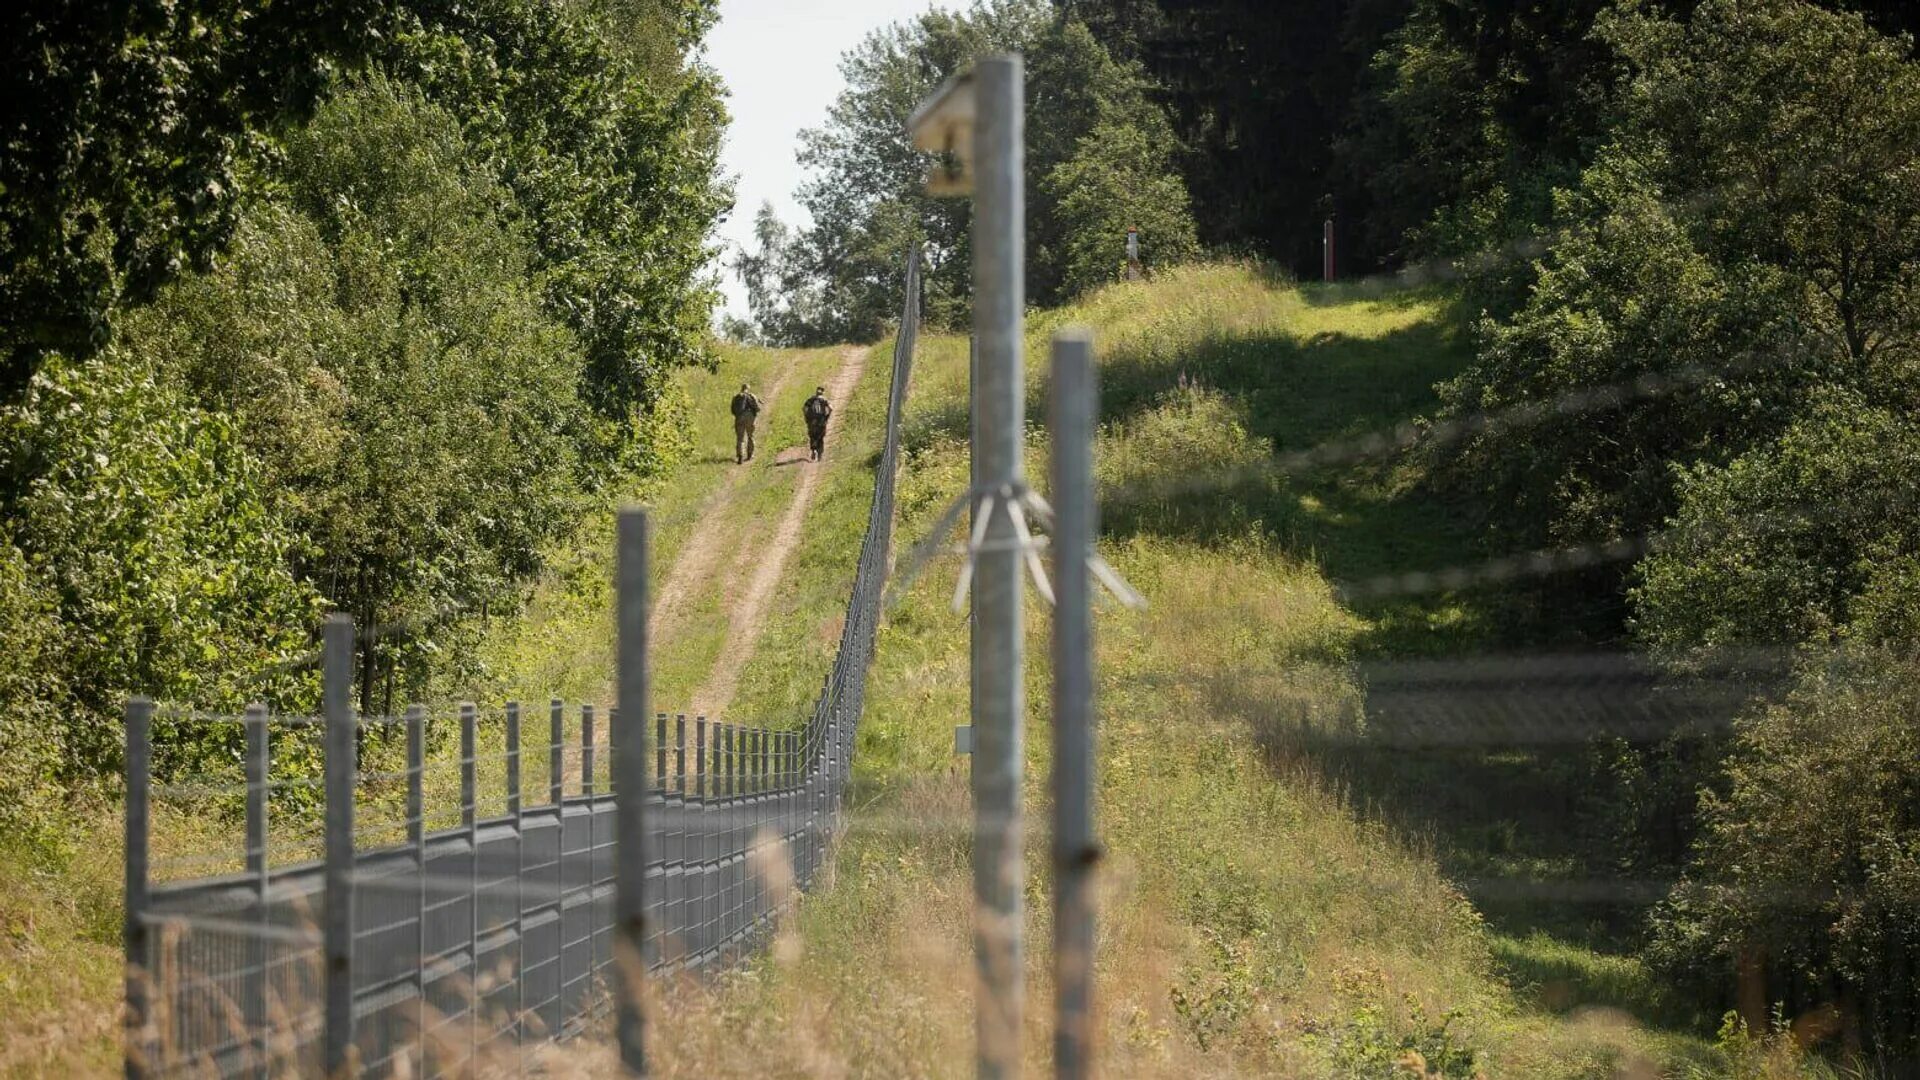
(630, 787)
(140, 1044)
(999, 702)
(1075, 851)
(341, 767)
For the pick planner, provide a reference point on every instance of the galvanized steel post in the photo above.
(140, 1044)
(1075, 851)
(999, 703)
(630, 788)
(340, 767)
(254, 1004)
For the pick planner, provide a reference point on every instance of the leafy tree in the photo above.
(606, 139)
(124, 129)
(383, 345)
(1471, 114)
(1120, 177)
(146, 533)
(1089, 119)
(785, 303)
(1809, 862)
(1813, 538)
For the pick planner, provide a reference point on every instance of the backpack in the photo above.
(744, 405)
(817, 408)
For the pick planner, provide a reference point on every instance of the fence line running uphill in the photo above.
(445, 916)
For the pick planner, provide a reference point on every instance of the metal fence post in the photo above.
(1075, 852)
(519, 868)
(341, 768)
(470, 821)
(417, 839)
(630, 788)
(140, 1044)
(254, 1007)
(700, 757)
(999, 703)
(557, 752)
(660, 750)
(586, 751)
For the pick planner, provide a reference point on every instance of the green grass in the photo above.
(1260, 914)
(562, 644)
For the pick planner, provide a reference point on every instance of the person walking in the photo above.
(815, 412)
(746, 413)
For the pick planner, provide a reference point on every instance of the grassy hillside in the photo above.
(1258, 918)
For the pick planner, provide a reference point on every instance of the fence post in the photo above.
(680, 754)
(999, 703)
(341, 767)
(140, 1045)
(700, 756)
(417, 839)
(1075, 852)
(254, 1008)
(586, 752)
(470, 820)
(519, 868)
(660, 750)
(630, 788)
(557, 752)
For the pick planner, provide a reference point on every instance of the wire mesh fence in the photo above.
(424, 894)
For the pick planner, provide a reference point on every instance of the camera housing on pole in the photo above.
(943, 124)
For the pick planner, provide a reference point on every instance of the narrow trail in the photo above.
(747, 615)
(699, 554)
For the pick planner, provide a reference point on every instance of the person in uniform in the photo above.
(816, 413)
(746, 413)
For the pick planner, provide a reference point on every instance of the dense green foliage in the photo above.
(1691, 232)
(1423, 127)
(1809, 863)
(372, 315)
(125, 129)
(1099, 160)
(1744, 273)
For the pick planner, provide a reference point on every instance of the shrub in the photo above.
(1809, 860)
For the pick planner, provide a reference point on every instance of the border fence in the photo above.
(418, 909)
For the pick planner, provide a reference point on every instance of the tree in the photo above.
(382, 343)
(785, 303)
(124, 131)
(1743, 247)
(609, 149)
(867, 199)
(1808, 866)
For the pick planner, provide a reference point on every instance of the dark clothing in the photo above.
(746, 412)
(816, 412)
(742, 439)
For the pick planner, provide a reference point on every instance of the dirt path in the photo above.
(699, 554)
(747, 616)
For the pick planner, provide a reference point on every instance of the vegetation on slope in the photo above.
(1258, 917)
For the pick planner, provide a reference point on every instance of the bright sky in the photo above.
(780, 61)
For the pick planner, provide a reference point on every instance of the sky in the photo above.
(780, 60)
